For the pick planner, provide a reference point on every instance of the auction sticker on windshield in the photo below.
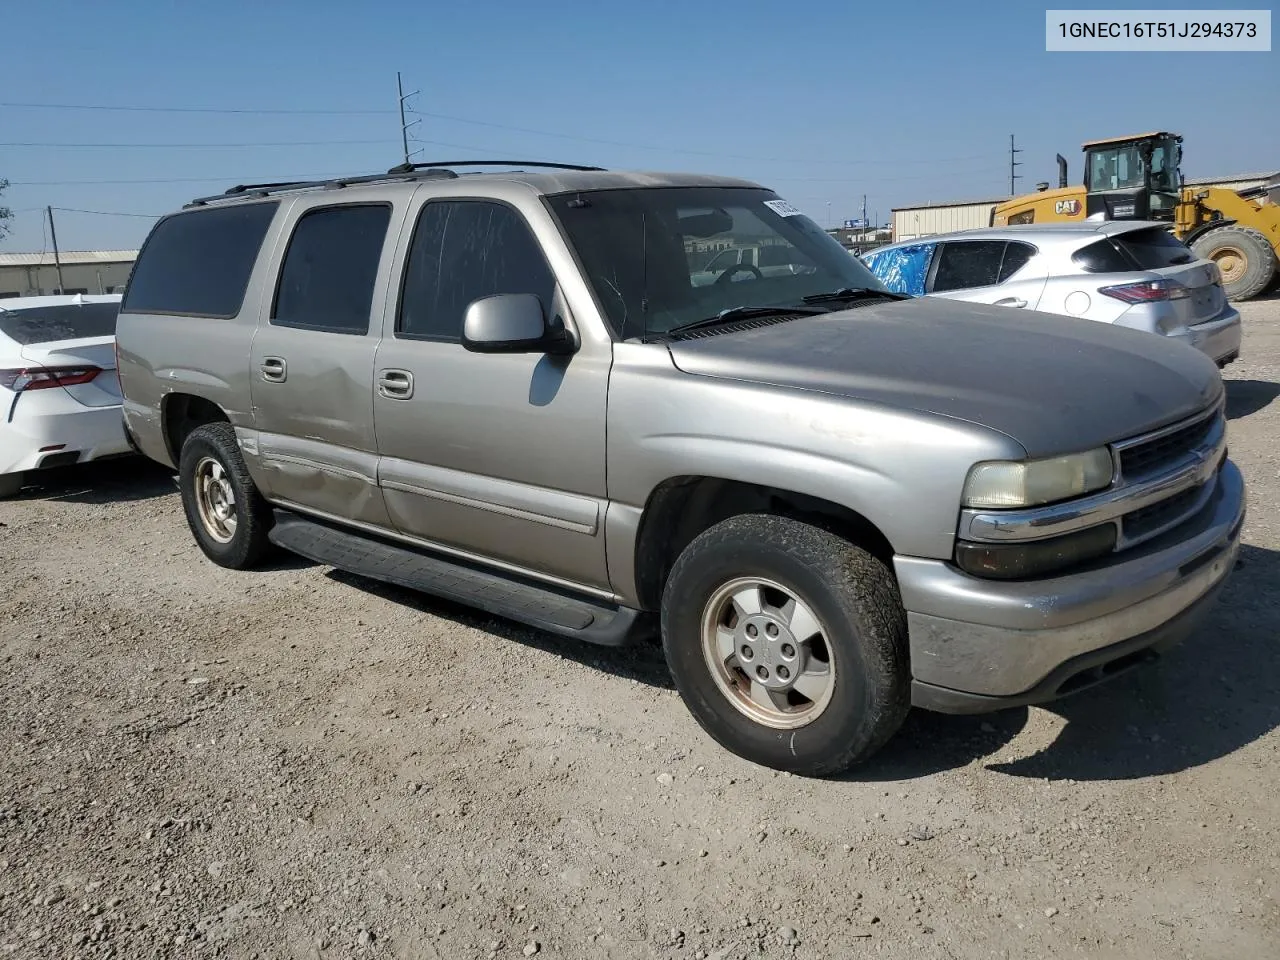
(782, 208)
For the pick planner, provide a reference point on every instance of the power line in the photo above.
(701, 153)
(202, 146)
(109, 213)
(220, 178)
(463, 146)
(631, 145)
(236, 110)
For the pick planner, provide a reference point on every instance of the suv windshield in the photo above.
(661, 257)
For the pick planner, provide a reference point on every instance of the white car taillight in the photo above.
(42, 378)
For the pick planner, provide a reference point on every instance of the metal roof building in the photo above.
(83, 271)
(927, 219)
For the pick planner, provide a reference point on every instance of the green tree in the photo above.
(5, 213)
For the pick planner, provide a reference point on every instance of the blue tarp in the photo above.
(901, 269)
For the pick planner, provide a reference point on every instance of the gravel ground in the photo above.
(297, 763)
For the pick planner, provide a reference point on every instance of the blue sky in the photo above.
(822, 100)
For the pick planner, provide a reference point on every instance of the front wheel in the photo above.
(787, 643)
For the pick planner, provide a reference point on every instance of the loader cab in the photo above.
(1133, 178)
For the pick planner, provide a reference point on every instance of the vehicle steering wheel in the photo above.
(738, 268)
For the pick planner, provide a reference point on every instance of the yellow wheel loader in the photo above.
(1139, 178)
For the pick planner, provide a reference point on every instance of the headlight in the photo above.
(1028, 483)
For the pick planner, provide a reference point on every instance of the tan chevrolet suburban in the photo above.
(505, 388)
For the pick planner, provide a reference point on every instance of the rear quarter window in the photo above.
(1102, 256)
(198, 263)
(1154, 248)
(64, 321)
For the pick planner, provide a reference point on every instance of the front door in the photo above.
(1005, 273)
(500, 456)
(313, 356)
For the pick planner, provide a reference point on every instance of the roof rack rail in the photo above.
(410, 167)
(405, 171)
(251, 187)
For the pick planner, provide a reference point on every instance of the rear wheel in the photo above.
(1243, 255)
(787, 643)
(10, 484)
(227, 515)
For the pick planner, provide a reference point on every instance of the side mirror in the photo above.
(512, 323)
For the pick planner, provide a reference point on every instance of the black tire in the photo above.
(855, 598)
(10, 485)
(248, 545)
(1259, 257)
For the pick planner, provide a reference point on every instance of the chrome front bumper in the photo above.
(984, 644)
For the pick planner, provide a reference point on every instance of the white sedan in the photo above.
(59, 394)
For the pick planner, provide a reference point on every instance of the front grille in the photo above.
(1145, 458)
(1142, 522)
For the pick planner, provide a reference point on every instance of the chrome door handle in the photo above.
(274, 369)
(395, 384)
(1011, 302)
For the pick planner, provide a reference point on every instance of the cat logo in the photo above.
(1067, 207)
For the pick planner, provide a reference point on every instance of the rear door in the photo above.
(313, 353)
(1005, 273)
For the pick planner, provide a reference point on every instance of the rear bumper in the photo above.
(88, 432)
(980, 645)
(1218, 339)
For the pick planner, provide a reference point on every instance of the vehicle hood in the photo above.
(1054, 384)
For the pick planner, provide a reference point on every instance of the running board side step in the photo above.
(526, 601)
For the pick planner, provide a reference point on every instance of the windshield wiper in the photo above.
(745, 313)
(853, 293)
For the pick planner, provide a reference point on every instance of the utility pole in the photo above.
(1014, 163)
(57, 258)
(404, 127)
(865, 224)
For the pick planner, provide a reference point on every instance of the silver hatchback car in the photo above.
(1129, 273)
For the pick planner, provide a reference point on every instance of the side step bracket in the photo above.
(527, 601)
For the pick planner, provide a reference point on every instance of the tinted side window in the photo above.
(330, 269)
(1102, 256)
(1154, 248)
(1016, 256)
(198, 263)
(463, 250)
(968, 263)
